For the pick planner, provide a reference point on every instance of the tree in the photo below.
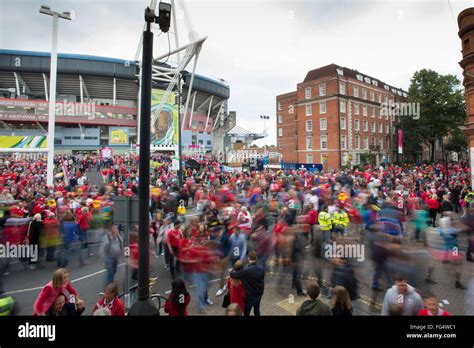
(457, 142)
(367, 158)
(442, 109)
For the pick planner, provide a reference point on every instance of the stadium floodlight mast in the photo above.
(52, 87)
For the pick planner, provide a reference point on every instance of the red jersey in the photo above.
(115, 306)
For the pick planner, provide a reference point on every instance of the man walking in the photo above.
(252, 277)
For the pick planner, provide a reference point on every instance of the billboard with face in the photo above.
(164, 118)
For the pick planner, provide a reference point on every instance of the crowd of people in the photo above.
(415, 221)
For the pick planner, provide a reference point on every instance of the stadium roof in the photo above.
(238, 131)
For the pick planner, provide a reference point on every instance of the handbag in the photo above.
(226, 300)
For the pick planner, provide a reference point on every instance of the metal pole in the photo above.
(143, 305)
(52, 103)
(180, 147)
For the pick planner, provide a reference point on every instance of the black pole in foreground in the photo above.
(143, 306)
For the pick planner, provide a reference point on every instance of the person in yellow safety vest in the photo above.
(340, 220)
(7, 304)
(325, 223)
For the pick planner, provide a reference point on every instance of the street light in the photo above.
(52, 87)
(144, 306)
(264, 118)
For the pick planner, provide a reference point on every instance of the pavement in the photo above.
(279, 298)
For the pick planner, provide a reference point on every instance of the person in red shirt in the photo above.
(279, 232)
(236, 288)
(433, 206)
(179, 299)
(432, 307)
(174, 236)
(84, 218)
(111, 302)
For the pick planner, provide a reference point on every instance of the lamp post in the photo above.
(264, 118)
(144, 306)
(52, 88)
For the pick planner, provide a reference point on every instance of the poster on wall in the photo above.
(118, 136)
(164, 118)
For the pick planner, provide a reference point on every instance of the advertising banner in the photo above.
(106, 152)
(23, 142)
(118, 136)
(164, 118)
(400, 141)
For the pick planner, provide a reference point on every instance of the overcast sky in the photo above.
(262, 48)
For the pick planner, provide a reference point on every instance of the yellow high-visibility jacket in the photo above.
(325, 221)
(340, 219)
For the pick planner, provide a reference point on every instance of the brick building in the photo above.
(335, 115)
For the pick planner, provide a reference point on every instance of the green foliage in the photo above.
(442, 109)
(457, 142)
(367, 158)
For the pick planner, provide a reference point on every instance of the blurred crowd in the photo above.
(389, 230)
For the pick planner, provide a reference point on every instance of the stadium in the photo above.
(97, 104)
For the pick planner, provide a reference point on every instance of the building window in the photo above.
(322, 89)
(280, 146)
(343, 142)
(324, 142)
(364, 110)
(343, 123)
(356, 125)
(309, 110)
(342, 88)
(291, 109)
(372, 140)
(356, 108)
(309, 142)
(309, 158)
(323, 124)
(280, 119)
(342, 106)
(387, 129)
(280, 132)
(307, 93)
(279, 106)
(356, 91)
(388, 143)
(372, 95)
(386, 116)
(381, 143)
(208, 142)
(372, 127)
(322, 107)
(366, 143)
(372, 111)
(379, 95)
(357, 142)
(364, 93)
(385, 99)
(309, 126)
(380, 128)
(365, 125)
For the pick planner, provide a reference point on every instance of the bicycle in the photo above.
(155, 298)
